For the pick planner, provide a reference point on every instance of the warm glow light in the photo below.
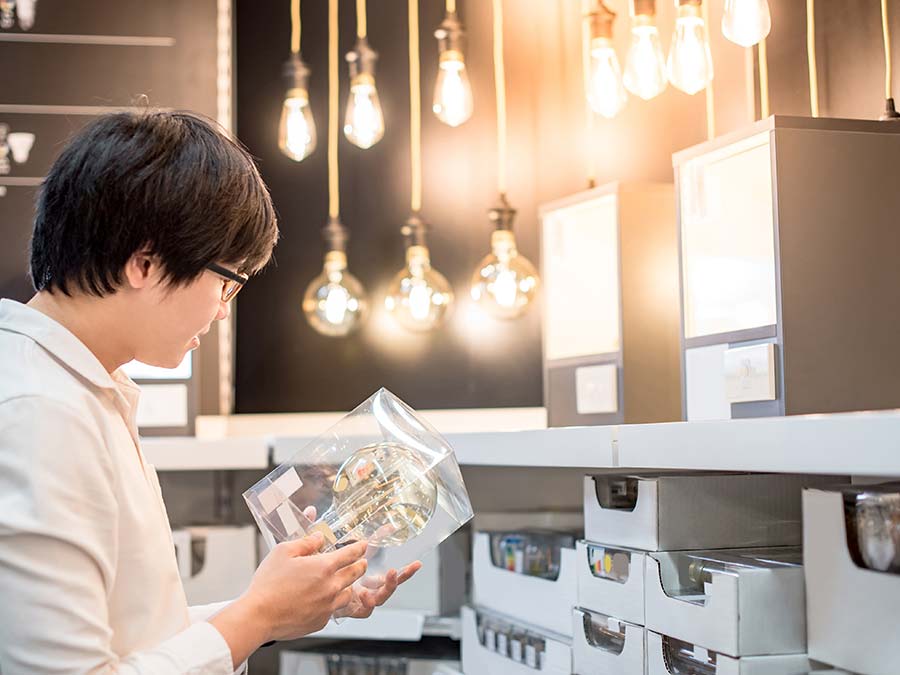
(690, 62)
(746, 22)
(418, 296)
(505, 282)
(645, 65)
(452, 91)
(296, 130)
(607, 93)
(335, 301)
(364, 122)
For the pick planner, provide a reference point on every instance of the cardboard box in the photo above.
(698, 511)
(853, 614)
(660, 651)
(592, 655)
(753, 611)
(229, 559)
(624, 600)
(541, 602)
(479, 659)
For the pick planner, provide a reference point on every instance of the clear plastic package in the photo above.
(535, 553)
(381, 474)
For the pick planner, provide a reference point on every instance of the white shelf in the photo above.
(861, 444)
(392, 624)
(182, 453)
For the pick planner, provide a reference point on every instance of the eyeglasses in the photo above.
(234, 282)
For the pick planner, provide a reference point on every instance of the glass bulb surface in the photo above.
(452, 92)
(26, 10)
(645, 65)
(505, 282)
(606, 92)
(364, 121)
(383, 494)
(418, 296)
(296, 129)
(335, 302)
(746, 22)
(20, 144)
(690, 65)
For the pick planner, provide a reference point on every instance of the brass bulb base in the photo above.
(601, 20)
(296, 73)
(890, 113)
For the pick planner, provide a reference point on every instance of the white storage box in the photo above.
(666, 655)
(617, 588)
(317, 663)
(659, 512)
(853, 614)
(546, 603)
(603, 645)
(746, 602)
(216, 563)
(489, 651)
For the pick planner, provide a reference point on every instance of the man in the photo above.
(147, 225)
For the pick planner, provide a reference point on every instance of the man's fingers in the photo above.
(310, 513)
(374, 581)
(346, 555)
(386, 591)
(346, 576)
(409, 571)
(305, 546)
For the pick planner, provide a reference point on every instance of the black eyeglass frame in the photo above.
(229, 290)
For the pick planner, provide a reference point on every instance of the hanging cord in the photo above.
(763, 80)
(415, 109)
(451, 6)
(361, 28)
(710, 93)
(500, 87)
(334, 198)
(811, 57)
(590, 167)
(295, 26)
(890, 112)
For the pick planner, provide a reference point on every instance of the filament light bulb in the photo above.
(645, 65)
(452, 101)
(505, 282)
(335, 301)
(297, 128)
(606, 91)
(690, 62)
(20, 144)
(419, 296)
(746, 22)
(364, 121)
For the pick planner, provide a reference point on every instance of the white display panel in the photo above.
(141, 371)
(728, 239)
(581, 279)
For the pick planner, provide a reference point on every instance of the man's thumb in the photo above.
(305, 546)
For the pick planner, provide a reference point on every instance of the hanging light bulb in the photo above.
(505, 282)
(690, 62)
(418, 296)
(335, 303)
(606, 92)
(746, 22)
(645, 65)
(20, 144)
(4, 150)
(452, 91)
(297, 129)
(364, 121)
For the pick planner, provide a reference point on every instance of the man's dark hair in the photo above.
(170, 183)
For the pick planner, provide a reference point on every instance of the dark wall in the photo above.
(471, 361)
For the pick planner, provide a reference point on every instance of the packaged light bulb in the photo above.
(381, 475)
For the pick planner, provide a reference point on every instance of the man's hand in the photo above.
(370, 591)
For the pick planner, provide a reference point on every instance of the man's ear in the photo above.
(141, 269)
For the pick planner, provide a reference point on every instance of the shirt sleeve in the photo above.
(58, 548)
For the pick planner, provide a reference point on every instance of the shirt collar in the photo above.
(61, 343)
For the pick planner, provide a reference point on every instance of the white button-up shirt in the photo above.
(88, 578)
